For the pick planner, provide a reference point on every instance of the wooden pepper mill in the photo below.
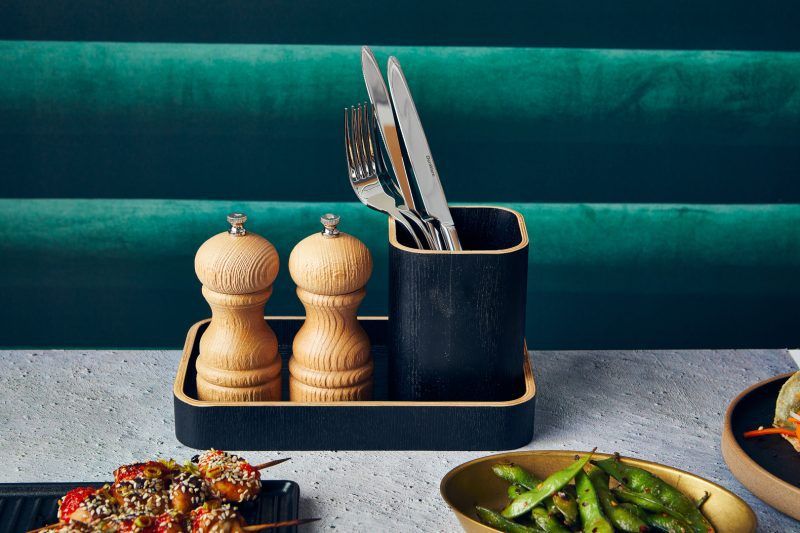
(238, 358)
(331, 358)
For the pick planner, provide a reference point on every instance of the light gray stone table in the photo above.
(76, 415)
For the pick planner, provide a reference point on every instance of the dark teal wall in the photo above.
(659, 24)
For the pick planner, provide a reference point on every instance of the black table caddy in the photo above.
(491, 407)
(457, 319)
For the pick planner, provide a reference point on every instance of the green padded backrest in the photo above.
(636, 141)
(121, 272)
(263, 122)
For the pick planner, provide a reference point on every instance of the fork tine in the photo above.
(369, 120)
(354, 142)
(355, 160)
(347, 146)
(360, 145)
(364, 145)
(362, 151)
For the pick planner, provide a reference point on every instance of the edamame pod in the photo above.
(517, 475)
(528, 500)
(642, 481)
(592, 517)
(648, 502)
(497, 521)
(514, 491)
(659, 522)
(567, 503)
(547, 522)
(620, 517)
(667, 524)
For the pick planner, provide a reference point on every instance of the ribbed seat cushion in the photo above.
(121, 272)
(263, 122)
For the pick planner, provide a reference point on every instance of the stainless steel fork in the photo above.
(362, 152)
(376, 160)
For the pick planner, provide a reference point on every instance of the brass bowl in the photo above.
(474, 483)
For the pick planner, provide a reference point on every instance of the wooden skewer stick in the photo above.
(268, 464)
(59, 524)
(249, 529)
(286, 523)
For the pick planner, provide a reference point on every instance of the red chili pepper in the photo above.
(72, 501)
(248, 469)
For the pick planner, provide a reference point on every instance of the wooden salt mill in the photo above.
(238, 358)
(331, 358)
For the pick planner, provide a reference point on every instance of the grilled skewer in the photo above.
(163, 497)
(125, 525)
(87, 504)
(187, 491)
(147, 470)
(217, 517)
(229, 477)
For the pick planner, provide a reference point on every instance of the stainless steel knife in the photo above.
(379, 96)
(419, 153)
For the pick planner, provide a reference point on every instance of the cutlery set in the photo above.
(415, 200)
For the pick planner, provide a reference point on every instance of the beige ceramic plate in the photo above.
(768, 466)
(474, 483)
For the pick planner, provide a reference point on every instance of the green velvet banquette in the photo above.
(660, 182)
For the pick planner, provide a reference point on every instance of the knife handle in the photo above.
(450, 235)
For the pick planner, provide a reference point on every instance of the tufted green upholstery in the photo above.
(120, 272)
(659, 187)
(146, 120)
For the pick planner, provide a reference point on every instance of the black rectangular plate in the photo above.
(27, 506)
(381, 424)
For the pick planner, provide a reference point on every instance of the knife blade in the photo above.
(419, 154)
(382, 104)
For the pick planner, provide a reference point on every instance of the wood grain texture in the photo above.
(238, 358)
(237, 264)
(457, 320)
(331, 358)
(337, 425)
(330, 265)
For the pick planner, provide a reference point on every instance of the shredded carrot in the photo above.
(772, 431)
(797, 430)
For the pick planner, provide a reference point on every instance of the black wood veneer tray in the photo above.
(29, 506)
(380, 424)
